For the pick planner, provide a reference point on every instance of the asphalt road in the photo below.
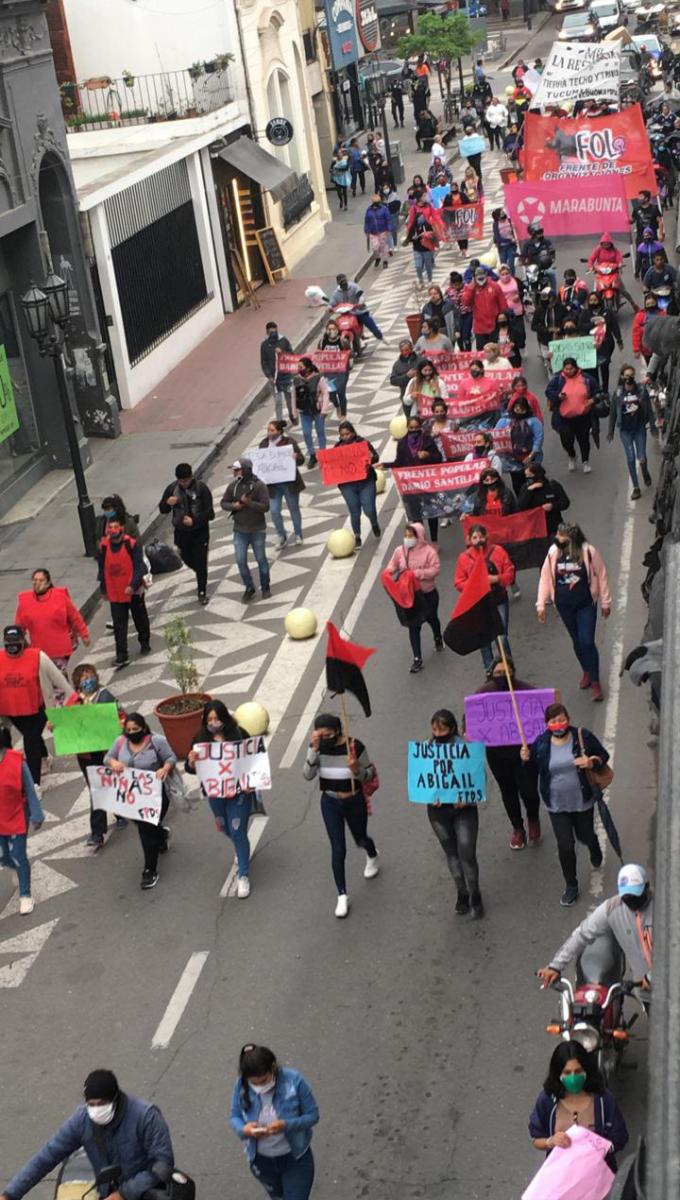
(422, 1034)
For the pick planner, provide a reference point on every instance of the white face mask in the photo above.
(410, 542)
(261, 1088)
(101, 1114)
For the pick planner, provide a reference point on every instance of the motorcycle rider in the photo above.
(606, 254)
(538, 251)
(646, 212)
(661, 275)
(645, 251)
(628, 916)
(351, 293)
(112, 1128)
(574, 291)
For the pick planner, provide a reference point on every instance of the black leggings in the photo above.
(341, 189)
(516, 783)
(456, 830)
(569, 826)
(98, 818)
(335, 813)
(576, 429)
(153, 837)
(31, 727)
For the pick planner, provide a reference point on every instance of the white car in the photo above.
(579, 27)
(564, 6)
(608, 14)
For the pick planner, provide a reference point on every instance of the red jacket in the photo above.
(637, 331)
(611, 257)
(20, 692)
(12, 798)
(495, 554)
(52, 621)
(487, 303)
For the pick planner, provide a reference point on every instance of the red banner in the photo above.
(344, 464)
(465, 222)
(451, 380)
(440, 477)
(457, 445)
(569, 149)
(329, 362)
(522, 534)
(462, 410)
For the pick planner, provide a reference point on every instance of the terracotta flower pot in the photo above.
(180, 726)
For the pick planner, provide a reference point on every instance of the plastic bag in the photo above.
(162, 558)
(579, 1173)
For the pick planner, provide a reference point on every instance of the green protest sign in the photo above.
(82, 728)
(9, 417)
(580, 348)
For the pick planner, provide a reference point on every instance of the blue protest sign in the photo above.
(472, 143)
(453, 773)
(439, 193)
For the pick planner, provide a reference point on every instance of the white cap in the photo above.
(632, 880)
(236, 466)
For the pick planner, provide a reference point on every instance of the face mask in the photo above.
(479, 546)
(273, 337)
(410, 542)
(326, 744)
(215, 726)
(117, 537)
(261, 1088)
(520, 413)
(110, 515)
(502, 324)
(635, 903)
(89, 686)
(501, 682)
(479, 451)
(558, 726)
(476, 374)
(441, 739)
(136, 737)
(101, 1114)
(13, 648)
(573, 1083)
(561, 545)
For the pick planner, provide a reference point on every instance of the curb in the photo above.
(506, 61)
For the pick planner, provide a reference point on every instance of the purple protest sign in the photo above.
(489, 716)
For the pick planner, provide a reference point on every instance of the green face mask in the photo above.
(573, 1083)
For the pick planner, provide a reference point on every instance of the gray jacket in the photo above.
(250, 519)
(612, 916)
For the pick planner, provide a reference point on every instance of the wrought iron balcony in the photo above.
(105, 103)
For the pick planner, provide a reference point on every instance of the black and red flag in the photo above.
(524, 535)
(344, 663)
(475, 621)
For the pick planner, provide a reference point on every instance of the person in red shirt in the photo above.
(487, 301)
(520, 387)
(27, 677)
(479, 386)
(644, 315)
(51, 620)
(501, 573)
(121, 580)
(571, 395)
(19, 804)
(606, 254)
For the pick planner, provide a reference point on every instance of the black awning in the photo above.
(258, 164)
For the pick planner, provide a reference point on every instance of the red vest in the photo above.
(118, 570)
(12, 800)
(20, 693)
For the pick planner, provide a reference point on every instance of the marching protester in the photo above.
(332, 339)
(405, 367)
(418, 448)
(526, 435)
(247, 500)
(191, 504)
(483, 447)
(359, 494)
(280, 382)
(501, 573)
(312, 402)
(574, 578)
(51, 621)
(456, 827)
(541, 492)
(571, 396)
(487, 302)
(19, 807)
(342, 767)
(432, 337)
(113, 508)
(574, 1094)
(421, 558)
(28, 679)
(121, 581)
(143, 750)
(290, 492)
(87, 689)
(503, 232)
(377, 227)
(631, 413)
(423, 382)
(439, 423)
(423, 232)
(492, 496)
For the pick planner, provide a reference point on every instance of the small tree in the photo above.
(180, 649)
(443, 39)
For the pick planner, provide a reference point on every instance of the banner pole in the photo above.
(513, 698)
(345, 730)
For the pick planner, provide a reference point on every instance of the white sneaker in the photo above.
(372, 867)
(587, 468)
(572, 464)
(342, 907)
(243, 888)
(282, 541)
(298, 536)
(26, 905)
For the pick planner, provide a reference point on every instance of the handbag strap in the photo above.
(580, 741)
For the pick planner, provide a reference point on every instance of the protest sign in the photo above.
(450, 360)
(452, 773)
(598, 203)
(580, 348)
(467, 221)
(472, 143)
(439, 193)
(83, 728)
(225, 768)
(273, 464)
(329, 362)
(576, 150)
(492, 381)
(579, 71)
(490, 718)
(136, 795)
(344, 464)
(439, 477)
(458, 444)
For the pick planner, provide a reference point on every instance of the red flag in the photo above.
(475, 621)
(524, 535)
(344, 663)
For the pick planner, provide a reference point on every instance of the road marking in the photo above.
(376, 565)
(28, 945)
(49, 840)
(45, 884)
(179, 1000)
(614, 681)
(255, 831)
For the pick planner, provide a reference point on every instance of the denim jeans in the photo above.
(456, 830)
(368, 322)
(277, 492)
(283, 394)
(256, 539)
(580, 623)
(360, 497)
(507, 255)
(231, 818)
(335, 812)
(13, 854)
(284, 1177)
(308, 422)
(338, 394)
(424, 260)
(489, 652)
(635, 446)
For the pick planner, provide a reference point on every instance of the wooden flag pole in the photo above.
(345, 730)
(513, 698)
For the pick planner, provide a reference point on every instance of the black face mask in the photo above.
(441, 740)
(636, 903)
(476, 374)
(501, 682)
(326, 744)
(136, 737)
(562, 546)
(13, 648)
(480, 451)
(273, 337)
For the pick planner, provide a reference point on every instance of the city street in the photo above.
(421, 1032)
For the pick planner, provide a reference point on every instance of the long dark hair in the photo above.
(255, 1060)
(231, 730)
(138, 719)
(444, 716)
(560, 1057)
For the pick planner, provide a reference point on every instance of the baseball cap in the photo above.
(632, 880)
(13, 633)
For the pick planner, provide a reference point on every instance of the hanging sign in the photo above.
(279, 131)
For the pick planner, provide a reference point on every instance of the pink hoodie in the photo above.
(423, 560)
(597, 578)
(510, 290)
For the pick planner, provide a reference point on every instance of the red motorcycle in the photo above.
(608, 283)
(347, 320)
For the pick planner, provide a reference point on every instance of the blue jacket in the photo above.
(540, 762)
(136, 1138)
(294, 1103)
(536, 428)
(609, 1122)
(377, 220)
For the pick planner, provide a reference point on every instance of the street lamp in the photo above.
(47, 313)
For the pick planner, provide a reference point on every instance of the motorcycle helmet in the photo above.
(545, 259)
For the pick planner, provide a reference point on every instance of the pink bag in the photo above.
(579, 1173)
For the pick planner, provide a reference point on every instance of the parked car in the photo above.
(608, 14)
(579, 27)
(390, 68)
(564, 6)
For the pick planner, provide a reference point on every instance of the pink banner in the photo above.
(591, 205)
(457, 445)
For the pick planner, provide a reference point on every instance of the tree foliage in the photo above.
(444, 38)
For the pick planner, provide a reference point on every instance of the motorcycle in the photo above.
(76, 1180)
(592, 1013)
(608, 283)
(535, 279)
(664, 297)
(349, 325)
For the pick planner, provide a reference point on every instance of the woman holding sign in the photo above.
(288, 491)
(359, 494)
(456, 827)
(19, 804)
(145, 751)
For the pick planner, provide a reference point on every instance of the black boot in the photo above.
(477, 906)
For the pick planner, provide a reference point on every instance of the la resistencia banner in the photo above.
(574, 149)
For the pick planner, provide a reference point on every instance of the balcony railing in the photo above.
(105, 103)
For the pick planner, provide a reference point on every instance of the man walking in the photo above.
(279, 382)
(121, 580)
(247, 499)
(487, 301)
(351, 293)
(191, 504)
(397, 102)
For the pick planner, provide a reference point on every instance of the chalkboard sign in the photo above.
(271, 252)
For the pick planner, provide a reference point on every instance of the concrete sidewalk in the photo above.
(197, 408)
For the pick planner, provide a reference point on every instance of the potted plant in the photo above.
(222, 61)
(128, 79)
(180, 715)
(196, 70)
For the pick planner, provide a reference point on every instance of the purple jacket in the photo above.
(377, 220)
